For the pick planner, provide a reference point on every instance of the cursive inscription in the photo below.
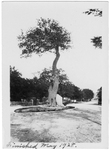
(41, 145)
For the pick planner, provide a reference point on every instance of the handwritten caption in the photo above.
(41, 145)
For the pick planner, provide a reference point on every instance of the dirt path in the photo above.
(82, 124)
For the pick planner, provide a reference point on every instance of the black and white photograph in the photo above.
(55, 74)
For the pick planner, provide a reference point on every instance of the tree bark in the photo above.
(52, 91)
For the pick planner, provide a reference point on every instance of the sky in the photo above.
(84, 64)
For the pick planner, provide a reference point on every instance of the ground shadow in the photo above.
(28, 135)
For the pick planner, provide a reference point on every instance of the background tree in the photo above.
(15, 84)
(87, 94)
(48, 36)
(99, 96)
(37, 88)
(69, 90)
(97, 40)
(21, 88)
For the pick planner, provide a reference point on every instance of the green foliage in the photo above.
(46, 36)
(95, 12)
(99, 96)
(87, 94)
(97, 42)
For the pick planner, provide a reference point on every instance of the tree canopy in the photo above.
(97, 41)
(87, 94)
(46, 36)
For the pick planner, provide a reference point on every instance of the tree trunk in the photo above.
(52, 91)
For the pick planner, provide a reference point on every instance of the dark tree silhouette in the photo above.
(99, 96)
(37, 88)
(87, 94)
(15, 84)
(48, 36)
(97, 42)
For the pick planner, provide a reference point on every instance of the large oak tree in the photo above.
(47, 36)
